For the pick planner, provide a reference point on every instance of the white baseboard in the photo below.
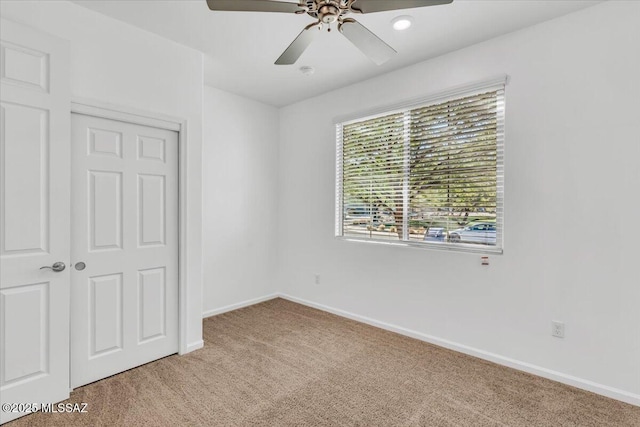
(238, 305)
(591, 386)
(193, 346)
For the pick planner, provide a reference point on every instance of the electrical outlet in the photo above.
(557, 329)
(316, 278)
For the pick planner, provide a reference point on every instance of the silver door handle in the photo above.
(57, 267)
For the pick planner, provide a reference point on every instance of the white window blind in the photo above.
(430, 175)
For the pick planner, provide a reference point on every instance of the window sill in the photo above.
(451, 247)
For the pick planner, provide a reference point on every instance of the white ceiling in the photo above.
(241, 47)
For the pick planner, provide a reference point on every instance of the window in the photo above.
(428, 174)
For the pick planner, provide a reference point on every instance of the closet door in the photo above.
(34, 219)
(124, 246)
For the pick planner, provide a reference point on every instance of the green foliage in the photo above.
(449, 150)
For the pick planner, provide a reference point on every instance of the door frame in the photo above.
(91, 107)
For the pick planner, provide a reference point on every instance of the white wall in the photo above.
(571, 202)
(116, 63)
(240, 204)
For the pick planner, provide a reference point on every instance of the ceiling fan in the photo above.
(328, 12)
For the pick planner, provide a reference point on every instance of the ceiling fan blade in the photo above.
(370, 44)
(254, 6)
(370, 6)
(295, 49)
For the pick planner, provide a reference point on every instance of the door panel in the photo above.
(151, 210)
(26, 347)
(125, 216)
(105, 210)
(151, 294)
(34, 217)
(23, 66)
(105, 314)
(25, 154)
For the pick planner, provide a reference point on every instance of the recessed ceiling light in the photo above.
(306, 70)
(401, 22)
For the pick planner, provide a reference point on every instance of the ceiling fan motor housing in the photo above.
(326, 11)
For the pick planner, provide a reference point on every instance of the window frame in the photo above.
(498, 83)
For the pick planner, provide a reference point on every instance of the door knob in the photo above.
(57, 267)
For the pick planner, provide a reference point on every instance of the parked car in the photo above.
(479, 232)
(386, 217)
(435, 234)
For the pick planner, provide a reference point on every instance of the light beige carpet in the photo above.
(283, 364)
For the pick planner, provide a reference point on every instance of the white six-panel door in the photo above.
(125, 231)
(34, 217)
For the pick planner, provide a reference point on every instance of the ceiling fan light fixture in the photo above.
(401, 22)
